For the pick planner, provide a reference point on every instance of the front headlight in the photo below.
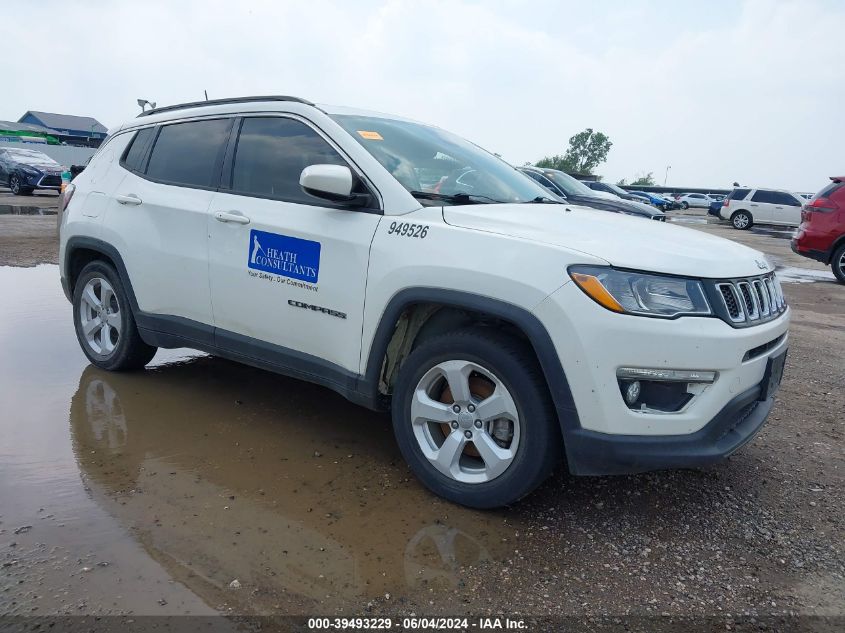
(646, 294)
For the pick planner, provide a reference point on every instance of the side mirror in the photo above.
(331, 182)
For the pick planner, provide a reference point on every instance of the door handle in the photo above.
(130, 199)
(752, 204)
(233, 216)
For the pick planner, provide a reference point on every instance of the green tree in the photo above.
(587, 150)
(644, 180)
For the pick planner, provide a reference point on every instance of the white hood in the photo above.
(622, 241)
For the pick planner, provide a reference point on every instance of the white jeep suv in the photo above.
(745, 207)
(409, 270)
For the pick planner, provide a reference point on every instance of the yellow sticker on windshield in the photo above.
(372, 136)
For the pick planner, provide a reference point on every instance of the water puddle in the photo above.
(783, 233)
(14, 209)
(689, 220)
(792, 275)
(180, 479)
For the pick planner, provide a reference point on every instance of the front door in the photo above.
(288, 270)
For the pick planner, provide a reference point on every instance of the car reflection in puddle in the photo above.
(226, 472)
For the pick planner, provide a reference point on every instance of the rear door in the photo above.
(288, 270)
(762, 205)
(159, 216)
(787, 209)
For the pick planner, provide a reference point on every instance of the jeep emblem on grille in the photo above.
(761, 265)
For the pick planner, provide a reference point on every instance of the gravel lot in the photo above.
(204, 487)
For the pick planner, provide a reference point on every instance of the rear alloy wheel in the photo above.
(473, 418)
(105, 325)
(741, 220)
(837, 263)
(685, 205)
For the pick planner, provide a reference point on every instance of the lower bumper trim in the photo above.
(594, 453)
(819, 256)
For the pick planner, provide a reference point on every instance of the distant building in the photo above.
(68, 129)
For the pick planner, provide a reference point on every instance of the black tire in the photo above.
(742, 220)
(130, 351)
(514, 365)
(685, 205)
(837, 263)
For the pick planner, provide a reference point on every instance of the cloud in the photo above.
(720, 92)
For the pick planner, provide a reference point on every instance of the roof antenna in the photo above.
(143, 103)
(206, 94)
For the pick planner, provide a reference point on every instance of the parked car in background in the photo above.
(658, 201)
(715, 207)
(609, 187)
(575, 191)
(718, 197)
(698, 200)
(25, 170)
(821, 235)
(746, 207)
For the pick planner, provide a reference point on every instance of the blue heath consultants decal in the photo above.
(284, 255)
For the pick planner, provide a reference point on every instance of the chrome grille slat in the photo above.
(751, 300)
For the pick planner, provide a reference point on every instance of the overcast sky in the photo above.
(748, 90)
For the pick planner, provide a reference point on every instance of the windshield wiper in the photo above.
(462, 198)
(545, 200)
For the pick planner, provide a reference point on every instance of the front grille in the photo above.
(751, 300)
(50, 181)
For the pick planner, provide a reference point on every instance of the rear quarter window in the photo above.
(738, 194)
(137, 150)
(189, 153)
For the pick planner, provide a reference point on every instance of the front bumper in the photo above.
(44, 181)
(593, 343)
(592, 453)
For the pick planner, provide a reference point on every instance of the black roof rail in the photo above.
(209, 102)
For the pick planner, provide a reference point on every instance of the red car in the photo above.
(821, 235)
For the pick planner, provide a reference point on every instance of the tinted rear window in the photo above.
(137, 149)
(188, 153)
(738, 194)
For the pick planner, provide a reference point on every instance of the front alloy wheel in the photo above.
(465, 421)
(474, 419)
(15, 184)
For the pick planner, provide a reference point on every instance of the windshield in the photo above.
(431, 162)
(29, 155)
(570, 186)
(619, 191)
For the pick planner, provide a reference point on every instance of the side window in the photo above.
(189, 153)
(738, 194)
(761, 195)
(271, 154)
(786, 199)
(137, 150)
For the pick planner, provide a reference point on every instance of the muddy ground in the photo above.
(201, 486)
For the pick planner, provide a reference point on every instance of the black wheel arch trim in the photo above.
(173, 331)
(530, 325)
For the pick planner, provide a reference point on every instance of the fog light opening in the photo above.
(661, 390)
